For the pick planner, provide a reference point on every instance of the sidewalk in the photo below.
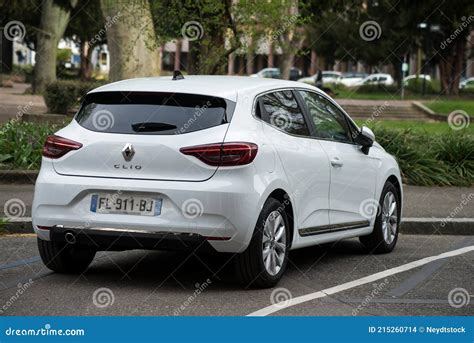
(14, 102)
(426, 209)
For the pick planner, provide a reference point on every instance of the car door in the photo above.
(302, 157)
(353, 174)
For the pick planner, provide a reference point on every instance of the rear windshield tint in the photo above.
(148, 113)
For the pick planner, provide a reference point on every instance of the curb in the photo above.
(437, 226)
(430, 113)
(409, 226)
(18, 176)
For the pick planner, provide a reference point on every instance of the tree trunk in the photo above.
(53, 22)
(85, 70)
(290, 42)
(177, 55)
(287, 61)
(457, 65)
(314, 63)
(231, 64)
(443, 76)
(271, 56)
(131, 40)
(250, 57)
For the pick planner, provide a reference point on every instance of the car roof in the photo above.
(226, 87)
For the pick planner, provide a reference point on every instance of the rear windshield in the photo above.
(148, 113)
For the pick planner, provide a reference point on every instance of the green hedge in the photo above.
(443, 159)
(416, 86)
(379, 88)
(21, 144)
(62, 96)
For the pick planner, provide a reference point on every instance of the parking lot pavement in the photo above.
(169, 283)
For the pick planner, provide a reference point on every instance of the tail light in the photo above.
(56, 147)
(223, 154)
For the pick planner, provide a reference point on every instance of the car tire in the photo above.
(264, 261)
(62, 257)
(384, 237)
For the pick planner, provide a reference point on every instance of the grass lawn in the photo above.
(448, 106)
(416, 126)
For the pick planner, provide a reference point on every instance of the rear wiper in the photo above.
(152, 127)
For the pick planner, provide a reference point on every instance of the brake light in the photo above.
(56, 147)
(223, 154)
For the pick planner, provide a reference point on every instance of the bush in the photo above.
(416, 86)
(63, 96)
(21, 144)
(444, 159)
(24, 73)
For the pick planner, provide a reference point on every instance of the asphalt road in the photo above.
(169, 283)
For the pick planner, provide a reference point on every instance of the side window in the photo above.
(329, 122)
(284, 113)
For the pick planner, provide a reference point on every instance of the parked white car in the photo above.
(275, 73)
(254, 167)
(467, 83)
(420, 77)
(351, 79)
(377, 79)
(329, 77)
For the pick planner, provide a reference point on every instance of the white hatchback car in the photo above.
(241, 165)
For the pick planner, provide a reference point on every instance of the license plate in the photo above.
(125, 204)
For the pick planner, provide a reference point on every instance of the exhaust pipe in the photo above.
(70, 238)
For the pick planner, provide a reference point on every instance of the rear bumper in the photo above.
(228, 204)
(101, 239)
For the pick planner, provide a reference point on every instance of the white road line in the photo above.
(345, 286)
(16, 219)
(436, 220)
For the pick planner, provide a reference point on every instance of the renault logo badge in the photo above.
(128, 151)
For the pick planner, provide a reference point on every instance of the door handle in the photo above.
(336, 162)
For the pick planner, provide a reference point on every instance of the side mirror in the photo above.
(365, 138)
